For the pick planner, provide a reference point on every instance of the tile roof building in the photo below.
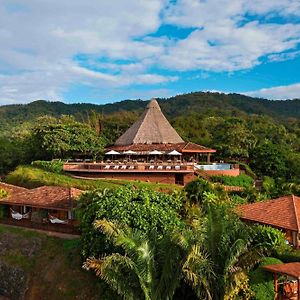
(47, 197)
(282, 213)
(48, 208)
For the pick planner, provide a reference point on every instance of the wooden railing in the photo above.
(127, 167)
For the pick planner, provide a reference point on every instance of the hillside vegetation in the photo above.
(35, 266)
(199, 102)
(31, 177)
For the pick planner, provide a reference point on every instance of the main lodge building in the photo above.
(150, 150)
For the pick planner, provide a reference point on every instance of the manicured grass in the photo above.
(32, 177)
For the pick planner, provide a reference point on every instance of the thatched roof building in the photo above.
(151, 128)
(152, 131)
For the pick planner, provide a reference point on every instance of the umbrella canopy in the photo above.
(112, 152)
(174, 152)
(155, 152)
(129, 152)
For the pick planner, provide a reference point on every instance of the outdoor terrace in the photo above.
(126, 167)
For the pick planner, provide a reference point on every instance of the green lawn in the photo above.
(31, 177)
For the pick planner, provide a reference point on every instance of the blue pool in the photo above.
(214, 167)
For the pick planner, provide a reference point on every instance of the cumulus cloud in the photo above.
(224, 39)
(40, 42)
(291, 91)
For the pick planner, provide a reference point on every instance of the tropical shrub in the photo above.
(141, 209)
(3, 193)
(55, 166)
(261, 282)
(289, 255)
(195, 190)
(242, 180)
(270, 238)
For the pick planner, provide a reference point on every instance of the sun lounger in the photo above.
(131, 167)
(151, 168)
(123, 167)
(168, 167)
(116, 167)
(159, 167)
(106, 167)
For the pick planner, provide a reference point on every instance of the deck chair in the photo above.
(123, 167)
(106, 167)
(159, 167)
(131, 168)
(116, 167)
(168, 167)
(151, 167)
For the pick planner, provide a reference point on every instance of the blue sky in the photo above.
(105, 51)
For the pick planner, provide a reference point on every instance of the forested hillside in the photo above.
(264, 134)
(200, 102)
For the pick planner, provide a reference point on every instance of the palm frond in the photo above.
(112, 270)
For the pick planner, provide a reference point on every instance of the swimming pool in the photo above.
(214, 167)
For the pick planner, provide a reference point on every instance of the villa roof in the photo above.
(185, 147)
(49, 197)
(292, 269)
(12, 189)
(151, 128)
(283, 212)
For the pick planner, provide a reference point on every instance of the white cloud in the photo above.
(224, 39)
(278, 92)
(39, 40)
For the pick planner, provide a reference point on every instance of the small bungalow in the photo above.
(47, 207)
(282, 213)
(286, 280)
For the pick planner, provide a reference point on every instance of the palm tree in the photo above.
(227, 245)
(145, 267)
(212, 256)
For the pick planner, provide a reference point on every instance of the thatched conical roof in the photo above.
(151, 128)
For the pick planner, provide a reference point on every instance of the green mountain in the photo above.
(198, 102)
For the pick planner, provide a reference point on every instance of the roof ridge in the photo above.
(295, 212)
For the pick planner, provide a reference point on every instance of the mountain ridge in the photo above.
(199, 102)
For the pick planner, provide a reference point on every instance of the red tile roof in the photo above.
(11, 189)
(186, 147)
(292, 269)
(49, 197)
(283, 212)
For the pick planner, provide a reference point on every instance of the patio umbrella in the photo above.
(129, 152)
(174, 152)
(155, 152)
(112, 152)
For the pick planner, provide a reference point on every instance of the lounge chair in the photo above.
(106, 167)
(151, 167)
(159, 167)
(168, 167)
(131, 168)
(116, 167)
(123, 167)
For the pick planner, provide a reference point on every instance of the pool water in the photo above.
(214, 167)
